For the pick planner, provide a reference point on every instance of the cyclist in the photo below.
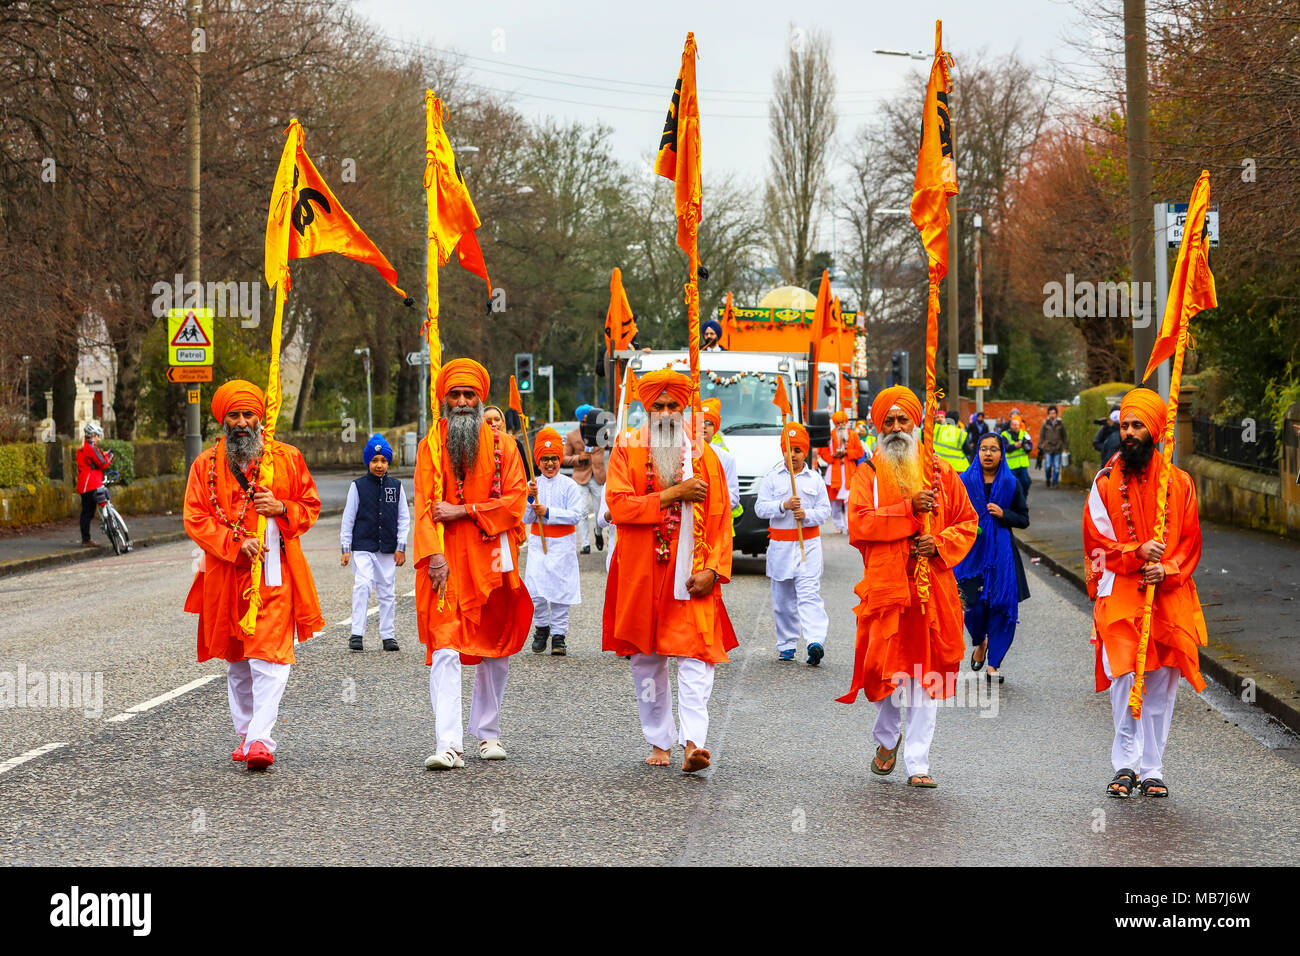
(91, 462)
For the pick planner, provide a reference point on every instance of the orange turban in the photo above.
(463, 373)
(653, 384)
(794, 435)
(839, 418)
(547, 442)
(1150, 409)
(712, 408)
(899, 395)
(238, 396)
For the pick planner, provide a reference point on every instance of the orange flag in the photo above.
(679, 150)
(781, 400)
(1191, 288)
(620, 324)
(728, 319)
(516, 401)
(306, 218)
(936, 167)
(821, 327)
(451, 213)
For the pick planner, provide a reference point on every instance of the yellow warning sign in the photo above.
(979, 382)
(189, 337)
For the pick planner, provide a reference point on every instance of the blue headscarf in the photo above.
(993, 554)
(714, 325)
(378, 445)
(581, 411)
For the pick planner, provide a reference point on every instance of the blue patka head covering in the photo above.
(714, 325)
(580, 412)
(378, 445)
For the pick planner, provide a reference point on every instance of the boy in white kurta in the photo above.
(555, 506)
(796, 580)
(372, 535)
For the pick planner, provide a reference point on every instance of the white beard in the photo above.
(901, 451)
(667, 441)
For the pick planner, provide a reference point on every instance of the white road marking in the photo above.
(30, 755)
(170, 695)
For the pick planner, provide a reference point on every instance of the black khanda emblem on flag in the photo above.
(669, 139)
(945, 129)
(303, 213)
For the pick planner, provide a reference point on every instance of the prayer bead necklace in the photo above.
(496, 480)
(667, 527)
(237, 526)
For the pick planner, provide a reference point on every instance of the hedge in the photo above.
(123, 458)
(1081, 420)
(22, 464)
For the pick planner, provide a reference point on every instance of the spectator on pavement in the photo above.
(974, 429)
(1052, 441)
(1019, 445)
(1107, 439)
(91, 462)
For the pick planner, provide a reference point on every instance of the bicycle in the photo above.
(109, 518)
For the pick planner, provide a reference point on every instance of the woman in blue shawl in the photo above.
(991, 578)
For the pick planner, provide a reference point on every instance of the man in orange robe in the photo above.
(906, 654)
(842, 458)
(471, 603)
(223, 498)
(1123, 560)
(656, 608)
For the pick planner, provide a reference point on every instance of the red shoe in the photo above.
(238, 755)
(259, 758)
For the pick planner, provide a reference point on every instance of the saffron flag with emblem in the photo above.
(936, 167)
(306, 218)
(620, 324)
(679, 149)
(1191, 288)
(452, 216)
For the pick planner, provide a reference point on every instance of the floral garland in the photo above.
(717, 379)
(1126, 507)
(237, 526)
(667, 527)
(496, 480)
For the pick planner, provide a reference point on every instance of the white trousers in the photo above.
(485, 707)
(798, 607)
(654, 698)
(378, 571)
(922, 709)
(591, 498)
(549, 614)
(840, 515)
(254, 688)
(1140, 744)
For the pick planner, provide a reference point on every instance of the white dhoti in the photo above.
(551, 615)
(372, 569)
(485, 707)
(254, 689)
(922, 710)
(1140, 744)
(654, 699)
(840, 514)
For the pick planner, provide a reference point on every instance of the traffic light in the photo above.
(524, 371)
(898, 372)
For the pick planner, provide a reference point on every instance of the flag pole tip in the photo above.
(409, 302)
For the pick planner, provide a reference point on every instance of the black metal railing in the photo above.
(1232, 443)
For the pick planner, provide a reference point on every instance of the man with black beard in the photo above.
(1124, 559)
(228, 488)
(471, 603)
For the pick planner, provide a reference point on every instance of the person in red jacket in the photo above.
(91, 462)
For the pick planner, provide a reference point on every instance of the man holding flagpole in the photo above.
(1142, 536)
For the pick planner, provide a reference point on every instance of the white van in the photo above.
(744, 383)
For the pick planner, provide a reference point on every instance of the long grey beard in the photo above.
(462, 436)
(900, 450)
(667, 440)
(241, 449)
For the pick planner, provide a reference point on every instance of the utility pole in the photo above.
(979, 316)
(198, 40)
(370, 408)
(1141, 240)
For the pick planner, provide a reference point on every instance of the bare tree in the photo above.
(802, 121)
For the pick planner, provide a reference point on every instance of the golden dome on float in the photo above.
(788, 297)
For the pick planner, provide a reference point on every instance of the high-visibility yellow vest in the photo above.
(948, 439)
(1017, 458)
(737, 509)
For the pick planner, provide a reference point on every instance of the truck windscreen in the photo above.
(746, 402)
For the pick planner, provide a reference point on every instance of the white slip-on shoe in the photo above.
(491, 749)
(446, 760)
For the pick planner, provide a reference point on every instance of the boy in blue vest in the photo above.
(373, 537)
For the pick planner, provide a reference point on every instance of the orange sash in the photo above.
(551, 530)
(794, 534)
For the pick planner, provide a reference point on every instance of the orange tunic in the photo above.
(487, 612)
(849, 461)
(641, 615)
(1177, 623)
(217, 594)
(894, 636)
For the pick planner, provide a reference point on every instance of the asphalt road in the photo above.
(1020, 778)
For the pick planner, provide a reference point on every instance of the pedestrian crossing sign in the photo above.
(189, 337)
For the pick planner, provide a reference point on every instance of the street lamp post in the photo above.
(370, 409)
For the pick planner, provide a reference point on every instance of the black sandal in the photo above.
(974, 664)
(1146, 785)
(1122, 784)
